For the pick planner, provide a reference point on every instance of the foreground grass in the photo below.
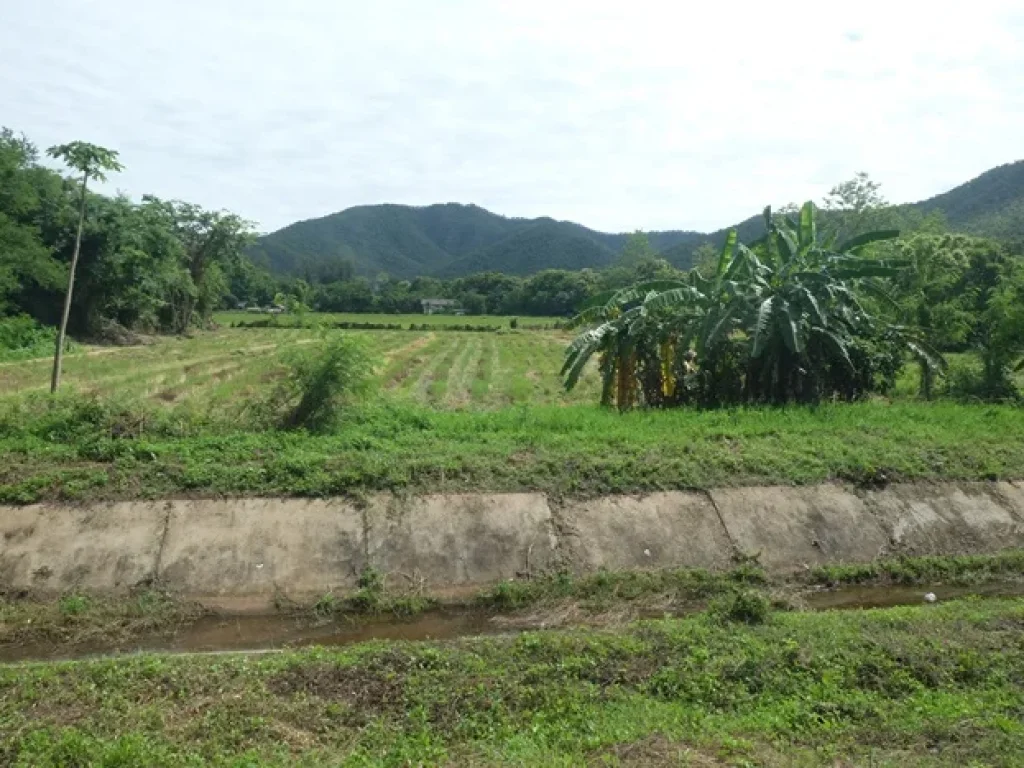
(76, 453)
(935, 685)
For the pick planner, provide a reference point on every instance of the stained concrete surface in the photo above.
(56, 548)
(661, 530)
(287, 547)
(792, 528)
(445, 542)
(263, 550)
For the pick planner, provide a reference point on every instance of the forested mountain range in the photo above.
(452, 240)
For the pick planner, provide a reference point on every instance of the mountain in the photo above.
(537, 245)
(991, 205)
(451, 240)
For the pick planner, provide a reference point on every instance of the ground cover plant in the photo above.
(740, 685)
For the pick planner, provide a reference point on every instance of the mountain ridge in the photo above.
(456, 239)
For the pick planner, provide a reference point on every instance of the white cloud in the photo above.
(646, 114)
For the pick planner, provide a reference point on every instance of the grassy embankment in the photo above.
(933, 685)
(80, 452)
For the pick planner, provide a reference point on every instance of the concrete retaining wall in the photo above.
(251, 552)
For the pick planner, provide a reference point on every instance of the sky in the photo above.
(617, 115)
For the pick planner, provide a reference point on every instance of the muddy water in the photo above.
(266, 633)
(894, 595)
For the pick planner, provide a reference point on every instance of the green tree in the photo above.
(211, 241)
(1003, 331)
(92, 162)
(637, 249)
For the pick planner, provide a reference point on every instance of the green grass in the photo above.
(77, 619)
(605, 598)
(927, 686)
(610, 588)
(455, 412)
(74, 450)
(965, 569)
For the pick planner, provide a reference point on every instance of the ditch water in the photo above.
(268, 633)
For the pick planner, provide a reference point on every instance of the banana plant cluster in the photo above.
(781, 320)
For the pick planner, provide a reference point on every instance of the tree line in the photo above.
(155, 265)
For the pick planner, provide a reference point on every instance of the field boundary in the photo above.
(252, 552)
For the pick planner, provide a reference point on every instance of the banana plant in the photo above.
(791, 301)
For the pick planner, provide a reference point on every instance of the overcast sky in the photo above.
(619, 115)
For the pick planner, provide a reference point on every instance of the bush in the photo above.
(322, 380)
(965, 379)
(21, 337)
(742, 607)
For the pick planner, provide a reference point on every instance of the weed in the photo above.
(73, 605)
(744, 606)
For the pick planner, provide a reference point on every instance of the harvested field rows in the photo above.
(442, 370)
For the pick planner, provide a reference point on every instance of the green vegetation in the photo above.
(83, 448)
(93, 162)
(933, 685)
(150, 266)
(966, 569)
(778, 322)
(415, 320)
(321, 381)
(237, 367)
(457, 240)
(22, 338)
(611, 588)
(796, 317)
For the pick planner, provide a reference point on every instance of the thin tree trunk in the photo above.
(58, 357)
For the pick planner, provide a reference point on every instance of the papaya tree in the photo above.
(92, 162)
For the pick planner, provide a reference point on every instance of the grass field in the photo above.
(439, 369)
(935, 685)
(455, 411)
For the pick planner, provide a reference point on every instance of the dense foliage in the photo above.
(153, 265)
(159, 265)
(796, 317)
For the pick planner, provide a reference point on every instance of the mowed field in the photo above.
(443, 369)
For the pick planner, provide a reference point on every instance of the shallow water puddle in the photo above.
(890, 596)
(266, 633)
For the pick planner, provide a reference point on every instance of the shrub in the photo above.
(322, 380)
(21, 337)
(743, 607)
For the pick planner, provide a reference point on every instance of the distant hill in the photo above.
(991, 205)
(451, 240)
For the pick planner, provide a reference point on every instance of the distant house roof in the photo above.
(438, 302)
